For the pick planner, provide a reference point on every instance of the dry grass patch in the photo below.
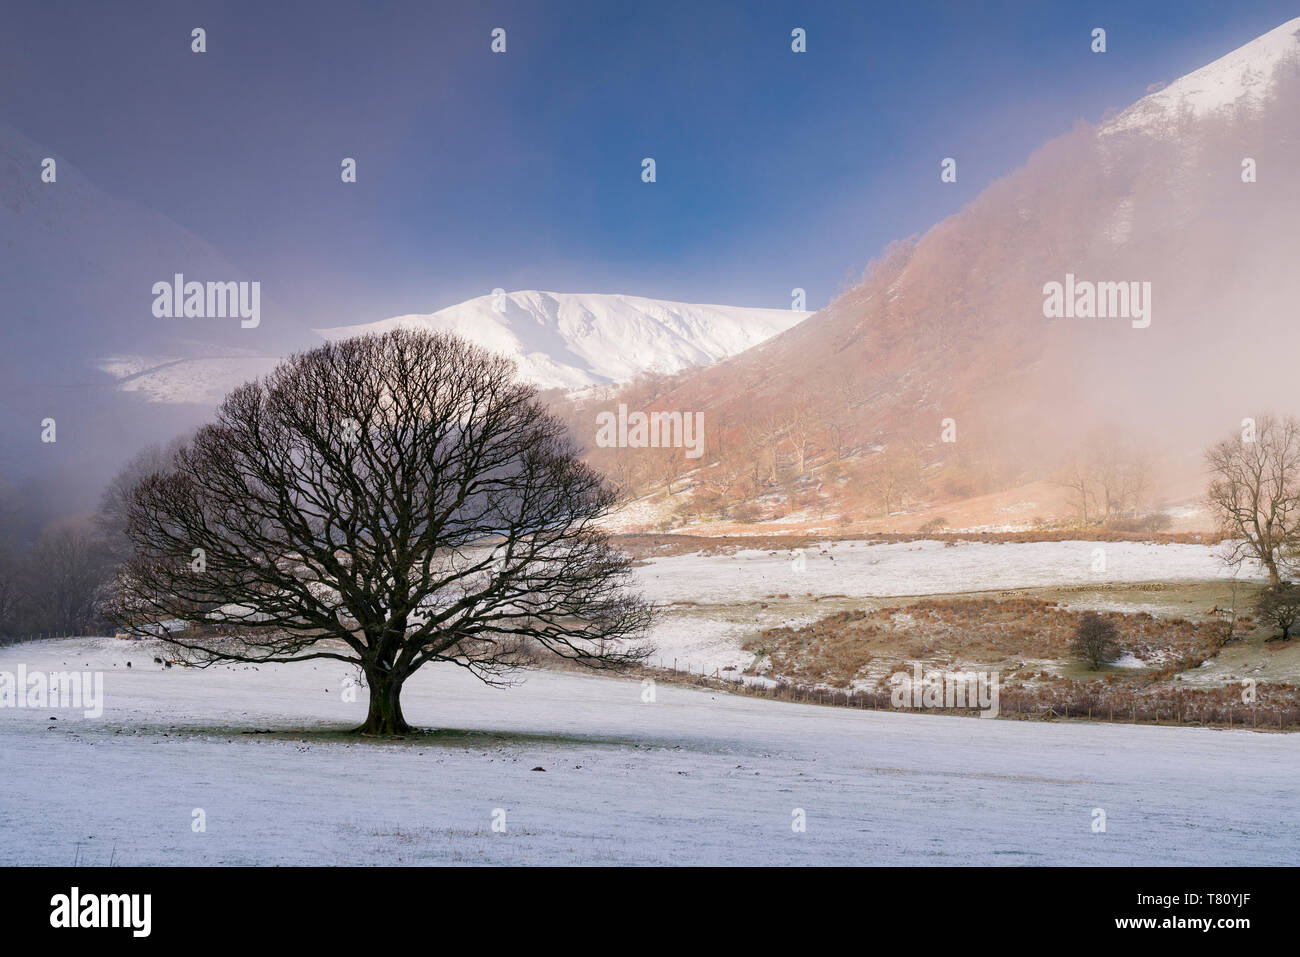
(1019, 637)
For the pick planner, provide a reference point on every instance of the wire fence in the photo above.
(38, 636)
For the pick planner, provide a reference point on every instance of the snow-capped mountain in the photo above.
(559, 340)
(1246, 78)
(574, 340)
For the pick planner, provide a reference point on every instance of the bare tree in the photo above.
(1109, 477)
(766, 434)
(889, 480)
(1121, 473)
(666, 465)
(839, 434)
(718, 434)
(1254, 492)
(1077, 477)
(801, 429)
(65, 571)
(387, 501)
(10, 593)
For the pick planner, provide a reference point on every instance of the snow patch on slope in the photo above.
(1244, 74)
(204, 380)
(558, 340)
(575, 340)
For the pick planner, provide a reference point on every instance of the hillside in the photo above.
(844, 417)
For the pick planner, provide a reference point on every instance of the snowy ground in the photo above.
(692, 778)
(712, 602)
(925, 568)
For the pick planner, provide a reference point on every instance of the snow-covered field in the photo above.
(692, 778)
(727, 588)
(925, 568)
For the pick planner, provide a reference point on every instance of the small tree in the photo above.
(1109, 476)
(386, 501)
(11, 593)
(1254, 492)
(1279, 605)
(1095, 641)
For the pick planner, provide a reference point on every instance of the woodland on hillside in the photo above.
(937, 379)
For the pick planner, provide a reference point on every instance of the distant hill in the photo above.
(571, 340)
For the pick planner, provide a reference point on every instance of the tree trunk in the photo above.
(385, 716)
(1273, 579)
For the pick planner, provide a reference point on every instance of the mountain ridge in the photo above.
(576, 340)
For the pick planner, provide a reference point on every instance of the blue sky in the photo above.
(522, 169)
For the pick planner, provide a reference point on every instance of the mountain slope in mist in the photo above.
(951, 330)
(73, 249)
(77, 267)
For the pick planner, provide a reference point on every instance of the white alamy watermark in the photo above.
(75, 909)
(55, 689)
(1083, 299)
(977, 690)
(651, 430)
(212, 300)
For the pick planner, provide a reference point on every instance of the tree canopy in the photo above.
(389, 500)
